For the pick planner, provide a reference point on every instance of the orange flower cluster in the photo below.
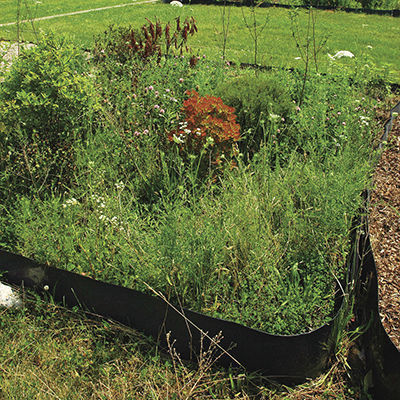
(208, 122)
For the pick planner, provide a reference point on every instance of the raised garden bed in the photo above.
(159, 198)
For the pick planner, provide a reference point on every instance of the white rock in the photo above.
(176, 3)
(340, 54)
(8, 298)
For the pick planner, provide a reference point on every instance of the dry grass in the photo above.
(49, 352)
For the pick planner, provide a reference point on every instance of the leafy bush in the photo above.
(259, 102)
(45, 101)
(152, 39)
(327, 3)
(370, 3)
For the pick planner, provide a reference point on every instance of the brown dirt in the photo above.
(385, 233)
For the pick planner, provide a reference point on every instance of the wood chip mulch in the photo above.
(385, 233)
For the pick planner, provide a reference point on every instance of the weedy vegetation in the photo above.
(228, 190)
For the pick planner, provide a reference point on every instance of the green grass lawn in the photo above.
(376, 37)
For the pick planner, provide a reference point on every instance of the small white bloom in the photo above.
(274, 116)
(120, 185)
(177, 139)
(70, 202)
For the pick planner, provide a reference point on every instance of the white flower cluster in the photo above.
(364, 120)
(120, 185)
(100, 205)
(70, 202)
(99, 200)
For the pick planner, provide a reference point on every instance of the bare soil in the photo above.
(385, 233)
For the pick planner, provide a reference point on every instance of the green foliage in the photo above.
(45, 103)
(142, 103)
(273, 227)
(260, 103)
(327, 3)
(370, 3)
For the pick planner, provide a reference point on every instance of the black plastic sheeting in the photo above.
(290, 359)
(246, 3)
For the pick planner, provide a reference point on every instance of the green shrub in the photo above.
(259, 102)
(370, 3)
(45, 101)
(327, 3)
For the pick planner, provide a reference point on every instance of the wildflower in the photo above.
(273, 116)
(344, 123)
(136, 133)
(162, 111)
(278, 130)
(156, 106)
(70, 202)
(177, 139)
(150, 87)
(146, 131)
(120, 185)
(298, 108)
(180, 80)
(167, 90)
(338, 113)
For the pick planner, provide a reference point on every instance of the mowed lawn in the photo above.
(377, 37)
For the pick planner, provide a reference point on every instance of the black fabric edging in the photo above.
(382, 356)
(288, 358)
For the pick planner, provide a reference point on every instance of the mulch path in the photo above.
(385, 233)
